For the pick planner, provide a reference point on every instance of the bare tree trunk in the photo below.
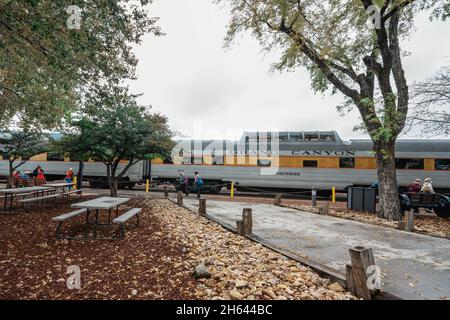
(389, 204)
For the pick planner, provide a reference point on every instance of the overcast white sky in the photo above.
(189, 77)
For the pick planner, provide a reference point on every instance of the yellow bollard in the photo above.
(232, 190)
(147, 185)
(333, 194)
(75, 179)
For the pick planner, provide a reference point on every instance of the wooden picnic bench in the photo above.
(122, 219)
(436, 201)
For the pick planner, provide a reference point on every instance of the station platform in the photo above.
(413, 266)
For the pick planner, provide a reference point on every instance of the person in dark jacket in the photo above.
(183, 183)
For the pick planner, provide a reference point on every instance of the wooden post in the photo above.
(349, 278)
(277, 199)
(166, 192)
(325, 209)
(245, 225)
(180, 198)
(356, 274)
(202, 206)
(314, 197)
(409, 221)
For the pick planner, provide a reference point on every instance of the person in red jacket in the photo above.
(415, 186)
(69, 176)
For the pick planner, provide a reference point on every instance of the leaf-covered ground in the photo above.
(33, 263)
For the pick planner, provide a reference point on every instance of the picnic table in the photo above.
(11, 193)
(60, 185)
(102, 203)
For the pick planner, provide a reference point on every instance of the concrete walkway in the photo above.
(414, 266)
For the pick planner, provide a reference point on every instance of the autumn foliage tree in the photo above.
(348, 46)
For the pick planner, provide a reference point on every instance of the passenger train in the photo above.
(274, 160)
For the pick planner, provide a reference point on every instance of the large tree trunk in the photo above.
(112, 180)
(113, 186)
(11, 176)
(80, 174)
(389, 204)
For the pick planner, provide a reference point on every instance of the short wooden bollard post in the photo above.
(166, 192)
(356, 273)
(180, 198)
(314, 197)
(245, 225)
(277, 201)
(325, 209)
(202, 206)
(409, 221)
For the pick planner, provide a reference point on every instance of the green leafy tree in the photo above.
(118, 130)
(19, 146)
(52, 53)
(351, 47)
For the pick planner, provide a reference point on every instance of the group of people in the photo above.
(417, 186)
(184, 182)
(38, 175)
(426, 187)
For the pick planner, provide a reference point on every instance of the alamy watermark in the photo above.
(374, 20)
(74, 279)
(74, 19)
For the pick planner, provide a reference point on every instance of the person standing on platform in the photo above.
(183, 183)
(198, 184)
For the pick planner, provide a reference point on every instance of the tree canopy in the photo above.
(116, 129)
(50, 56)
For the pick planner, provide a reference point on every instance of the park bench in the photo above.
(27, 201)
(438, 202)
(64, 217)
(122, 219)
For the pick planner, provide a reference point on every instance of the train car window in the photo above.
(346, 162)
(311, 136)
(417, 164)
(296, 136)
(54, 157)
(264, 163)
(442, 164)
(327, 137)
(310, 164)
(284, 137)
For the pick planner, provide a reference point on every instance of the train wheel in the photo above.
(216, 189)
(444, 210)
(131, 185)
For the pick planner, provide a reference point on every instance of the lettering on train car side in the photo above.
(326, 153)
